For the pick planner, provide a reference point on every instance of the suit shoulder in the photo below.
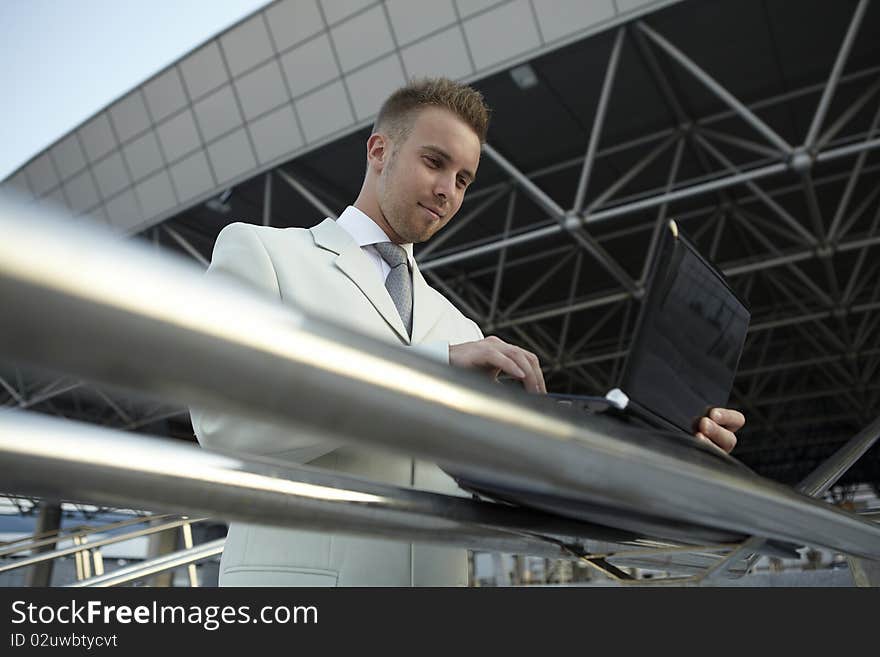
(239, 228)
(240, 232)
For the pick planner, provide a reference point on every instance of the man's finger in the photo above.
(502, 362)
(722, 437)
(707, 442)
(539, 374)
(728, 418)
(519, 356)
(535, 365)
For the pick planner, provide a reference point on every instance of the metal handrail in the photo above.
(214, 345)
(78, 548)
(46, 534)
(166, 562)
(77, 532)
(53, 455)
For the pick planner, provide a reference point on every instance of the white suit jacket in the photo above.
(323, 271)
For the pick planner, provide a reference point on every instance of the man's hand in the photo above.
(493, 356)
(718, 427)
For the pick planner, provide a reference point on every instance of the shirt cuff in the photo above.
(438, 351)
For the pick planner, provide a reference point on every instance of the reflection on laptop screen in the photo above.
(687, 344)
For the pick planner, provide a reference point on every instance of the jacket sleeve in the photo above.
(239, 252)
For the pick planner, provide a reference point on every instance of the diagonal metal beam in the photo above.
(536, 285)
(868, 323)
(763, 325)
(37, 399)
(847, 150)
(592, 246)
(857, 214)
(622, 340)
(850, 185)
(556, 212)
(790, 266)
(553, 255)
(834, 78)
(113, 405)
(304, 191)
(594, 301)
(538, 195)
(739, 142)
(502, 257)
(721, 221)
(150, 419)
(661, 214)
(12, 391)
(783, 214)
(813, 208)
(847, 116)
(566, 321)
(630, 175)
(710, 83)
(594, 329)
(185, 245)
(769, 226)
(598, 122)
(661, 79)
(796, 301)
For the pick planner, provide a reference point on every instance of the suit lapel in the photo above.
(426, 311)
(352, 262)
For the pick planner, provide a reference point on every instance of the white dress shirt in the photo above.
(366, 233)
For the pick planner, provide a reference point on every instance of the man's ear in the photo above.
(378, 151)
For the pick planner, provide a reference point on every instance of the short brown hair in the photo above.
(398, 111)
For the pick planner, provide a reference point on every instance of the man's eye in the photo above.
(433, 162)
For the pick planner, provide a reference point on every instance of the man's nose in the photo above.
(443, 187)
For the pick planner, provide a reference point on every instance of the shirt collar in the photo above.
(365, 231)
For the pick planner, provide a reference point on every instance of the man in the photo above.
(359, 271)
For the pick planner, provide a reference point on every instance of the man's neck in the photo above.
(373, 211)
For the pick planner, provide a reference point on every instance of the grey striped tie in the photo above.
(399, 282)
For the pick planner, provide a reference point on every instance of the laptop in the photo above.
(682, 362)
(686, 345)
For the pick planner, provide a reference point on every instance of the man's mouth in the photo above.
(433, 213)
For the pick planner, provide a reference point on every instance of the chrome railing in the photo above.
(201, 342)
(89, 561)
(54, 536)
(136, 571)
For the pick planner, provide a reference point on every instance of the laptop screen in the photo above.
(688, 339)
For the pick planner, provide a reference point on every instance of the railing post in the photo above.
(49, 520)
(78, 559)
(188, 543)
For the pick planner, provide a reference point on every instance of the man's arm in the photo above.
(493, 356)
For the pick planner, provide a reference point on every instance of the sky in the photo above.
(63, 60)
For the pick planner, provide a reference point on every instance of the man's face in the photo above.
(423, 183)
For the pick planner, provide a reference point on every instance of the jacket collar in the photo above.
(354, 263)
